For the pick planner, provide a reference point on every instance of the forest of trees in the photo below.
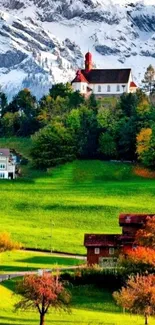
(64, 126)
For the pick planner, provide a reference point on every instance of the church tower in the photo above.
(88, 62)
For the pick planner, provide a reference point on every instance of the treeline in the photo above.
(64, 126)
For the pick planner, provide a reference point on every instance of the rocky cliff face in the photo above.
(43, 41)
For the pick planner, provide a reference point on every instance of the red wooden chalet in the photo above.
(104, 249)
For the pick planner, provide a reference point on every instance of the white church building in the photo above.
(103, 82)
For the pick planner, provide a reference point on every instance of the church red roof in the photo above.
(133, 85)
(80, 77)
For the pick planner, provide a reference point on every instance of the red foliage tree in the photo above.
(41, 293)
(138, 296)
(146, 236)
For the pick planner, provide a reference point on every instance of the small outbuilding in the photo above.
(104, 249)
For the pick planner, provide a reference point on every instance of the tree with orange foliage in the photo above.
(138, 260)
(41, 293)
(146, 236)
(138, 296)
(6, 243)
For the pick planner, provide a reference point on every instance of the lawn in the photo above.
(54, 210)
(89, 306)
(26, 261)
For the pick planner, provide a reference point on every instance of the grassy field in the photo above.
(89, 306)
(26, 261)
(55, 209)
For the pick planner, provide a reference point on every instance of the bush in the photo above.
(103, 278)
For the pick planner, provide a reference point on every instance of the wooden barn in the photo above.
(104, 249)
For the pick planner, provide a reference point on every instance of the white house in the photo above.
(7, 165)
(103, 82)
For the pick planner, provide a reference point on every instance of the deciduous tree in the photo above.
(42, 292)
(138, 296)
(61, 90)
(146, 146)
(107, 145)
(52, 145)
(143, 141)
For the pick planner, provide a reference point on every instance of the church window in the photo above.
(123, 86)
(108, 89)
(118, 88)
(99, 89)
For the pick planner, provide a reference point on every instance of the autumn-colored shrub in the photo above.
(146, 236)
(143, 172)
(6, 243)
(138, 260)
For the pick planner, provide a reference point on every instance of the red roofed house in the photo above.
(103, 82)
(105, 249)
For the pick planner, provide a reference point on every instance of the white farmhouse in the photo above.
(7, 166)
(103, 82)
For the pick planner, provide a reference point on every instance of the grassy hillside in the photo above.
(55, 209)
(89, 306)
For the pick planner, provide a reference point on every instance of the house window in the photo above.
(2, 166)
(118, 88)
(97, 251)
(2, 175)
(99, 89)
(111, 251)
(108, 89)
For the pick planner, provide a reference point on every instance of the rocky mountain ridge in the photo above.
(43, 41)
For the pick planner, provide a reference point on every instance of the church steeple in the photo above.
(88, 62)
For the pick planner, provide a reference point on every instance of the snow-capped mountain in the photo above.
(44, 41)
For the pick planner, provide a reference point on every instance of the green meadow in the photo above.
(89, 306)
(54, 209)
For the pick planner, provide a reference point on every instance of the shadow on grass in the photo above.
(47, 260)
(3, 320)
(10, 268)
(10, 285)
(22, 321)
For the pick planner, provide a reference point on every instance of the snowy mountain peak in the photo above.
(43, 41)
